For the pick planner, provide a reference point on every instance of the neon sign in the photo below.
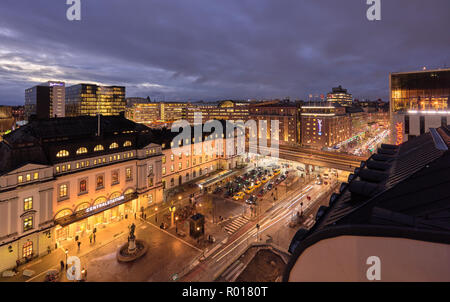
(399, 130)
(319, 124)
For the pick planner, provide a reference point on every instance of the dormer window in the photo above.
(62, 153)
(99, 148)
(113, 146)
(82, 150)
(127, 144)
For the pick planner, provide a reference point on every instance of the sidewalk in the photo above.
(42, 264)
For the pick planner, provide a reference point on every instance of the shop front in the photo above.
(87, 217)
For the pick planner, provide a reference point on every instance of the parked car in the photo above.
(238, 195)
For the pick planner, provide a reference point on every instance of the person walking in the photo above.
(94, 237)
(79, 244)
(90, 238)
(62, 265)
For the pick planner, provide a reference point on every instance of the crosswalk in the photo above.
(235, 224)
(232, 271)
(309, 222)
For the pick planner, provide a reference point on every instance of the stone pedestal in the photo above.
(131, 246)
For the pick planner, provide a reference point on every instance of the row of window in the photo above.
(83, 150)
(97, 161)
(28, 177)
(63, 189)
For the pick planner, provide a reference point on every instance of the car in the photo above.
(249, 189)
(251, 200)
(238, 195)
(276, 171)
(269, 187)
(318, 181)
(264, 179)
(257, 184)
(325, 176)
(300, 169)
(283, 177)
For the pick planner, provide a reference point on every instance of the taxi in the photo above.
(238, 195)
(249, 190)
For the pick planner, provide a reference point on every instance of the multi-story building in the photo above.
(286, 113)
(45, 100)
(64, 177)
(340, 96)
(172, 111)
(7, 120)
(225, 110)
(389, 222)
(144, 113)
(91, 99)
(324, 125)
(419, 100)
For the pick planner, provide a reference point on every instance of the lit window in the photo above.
(114, 146)
(115, 177)
(83, 186)
(171, 157)
(128, 174)
(163, 159)
(164, 170)
(127, 144)
(28, 223)
(99, 182)
(82, 150)
(20, 179)
(62, 191)
(62, 153)
(99, 148)
(179, 166)
(28, 203)
(28, 177)
(171, 168)
(150, 181)
(36, 175)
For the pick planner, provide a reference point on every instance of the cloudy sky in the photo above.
(220, 49)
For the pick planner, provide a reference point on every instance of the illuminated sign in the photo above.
(399, 130)
(319, 124)
(55, 84)
(104, 204)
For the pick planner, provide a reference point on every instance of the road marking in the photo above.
(235, 225)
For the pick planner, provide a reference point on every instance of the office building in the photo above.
(340, 96)
(324, 125)
(91, 99)
(45, 100)
(419, 100)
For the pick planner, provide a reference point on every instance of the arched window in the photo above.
(127, 144)
(62, 153)
(99, 148)
(82, 150)
(113, 146)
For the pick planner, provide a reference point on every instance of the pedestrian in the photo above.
(62, 265)
(90, 238)
(49, 250)
(134, 215)
(79, 244)
(94, 237)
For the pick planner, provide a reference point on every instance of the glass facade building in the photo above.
(91, 99)
(421, 90)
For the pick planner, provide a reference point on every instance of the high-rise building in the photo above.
(91, 99)
(419, 100)
(144, 113)
(172, 111)
(45, 100)
(340, 96)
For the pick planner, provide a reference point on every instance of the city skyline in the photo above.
(210, 51)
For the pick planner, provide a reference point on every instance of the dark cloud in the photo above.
(205, 49)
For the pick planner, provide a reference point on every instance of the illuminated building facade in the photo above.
(91, 99)
(324, 125)
(225, 110)
(419, 100)
(288, 116)
(340, 96)
(171, 112)
(62, 177)
(144, 113)
(46, 100)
